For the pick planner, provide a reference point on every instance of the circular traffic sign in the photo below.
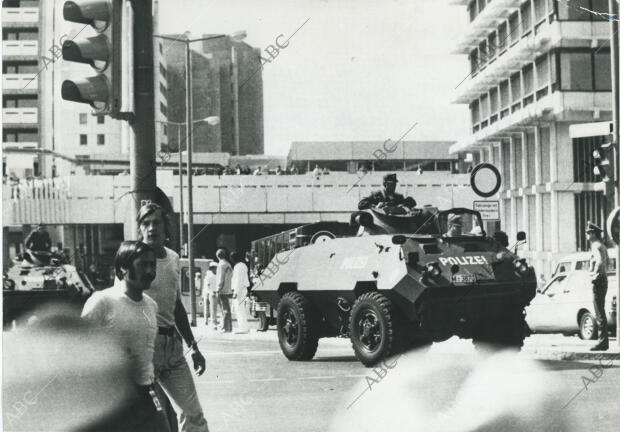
(613, 225)
(485, 180)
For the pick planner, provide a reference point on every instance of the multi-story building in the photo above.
(35, 115)
(536, 67)
(226, 82)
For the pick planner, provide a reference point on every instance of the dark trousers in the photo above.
(224, 300)
(599, 289)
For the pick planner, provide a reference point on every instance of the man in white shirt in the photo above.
(240, 284)
(224, 288)
(171, 368)
(210, 295)
(131, 316)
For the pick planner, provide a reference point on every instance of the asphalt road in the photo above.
(250, 386)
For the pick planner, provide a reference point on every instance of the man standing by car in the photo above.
(171, 368)
(240, 284)
(598, 273)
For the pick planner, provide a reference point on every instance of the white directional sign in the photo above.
(489, 210)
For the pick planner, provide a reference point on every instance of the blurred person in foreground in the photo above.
(132, 316)
(240, 283)
(171, 369)
(435, 392)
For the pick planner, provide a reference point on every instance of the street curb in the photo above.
(547, 354)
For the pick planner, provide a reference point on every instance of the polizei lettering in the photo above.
(464, 260)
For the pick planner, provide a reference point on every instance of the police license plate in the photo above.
(464, 278)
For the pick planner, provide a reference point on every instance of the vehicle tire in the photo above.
(371, 328)
(263, 322)
(588, 329)
(297, 327)
(509, 333)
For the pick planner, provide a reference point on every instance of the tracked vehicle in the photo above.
(391, 280)
(37, 278)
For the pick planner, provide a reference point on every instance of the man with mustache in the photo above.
(131, 316)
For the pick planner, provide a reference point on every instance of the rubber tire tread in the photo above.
(308, 338)
(385, 308)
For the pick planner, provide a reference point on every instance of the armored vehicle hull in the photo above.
(397, 286)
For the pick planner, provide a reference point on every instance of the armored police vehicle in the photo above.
(391, 280)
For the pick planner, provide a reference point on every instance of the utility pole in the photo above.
(235, 92)
(190, 201)
(615, 91)
(142, 164)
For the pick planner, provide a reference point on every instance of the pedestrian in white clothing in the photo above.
(240, 284)
(210, 295)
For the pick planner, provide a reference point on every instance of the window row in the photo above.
(22, 34)
(84, 139)
(20, 67)
(563, 69)
(533, 13)
(84, 119)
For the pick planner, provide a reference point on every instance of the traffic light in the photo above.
(104, 52)
(603, 156)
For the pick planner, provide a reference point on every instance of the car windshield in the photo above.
(460, 223)
(555, 286)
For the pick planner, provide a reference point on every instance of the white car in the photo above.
(565, 304)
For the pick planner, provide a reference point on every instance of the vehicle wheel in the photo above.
(297, 327)
(263, 322)
(507, 333)
(588, 329)
(371, 328)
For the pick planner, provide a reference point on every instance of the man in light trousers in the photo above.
(171, 369)
(240, 284)
(210, 295)
(224, 289)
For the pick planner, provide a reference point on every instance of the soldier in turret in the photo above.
(387, 197)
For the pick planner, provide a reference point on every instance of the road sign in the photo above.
(489, 210)
(485, 180)
(613, 225)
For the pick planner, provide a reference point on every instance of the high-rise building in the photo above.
(537, 67)
(35, 115)
(226, 82)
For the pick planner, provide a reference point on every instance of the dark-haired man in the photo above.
(171, 368)
(39, 240)
(387, 197)
(598, 274)
(131, 316)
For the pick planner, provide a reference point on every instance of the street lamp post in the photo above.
(211, 120)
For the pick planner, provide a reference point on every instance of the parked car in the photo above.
(565, 304)
(580, 261)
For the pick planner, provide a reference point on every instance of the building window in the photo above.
(504, 96)
(83, 139)
(528, 80)
(502, 37)
(540, 12)
(602, 71)
(576, 71)
(473, 61)
(514, 28)
(162, 70)
(484, 57)
(165, 129)
(83, 118)
(492, 44)
(542, 72)
(100, 139)
(161, 48)
(494, 100)
(471, 8)
(526, 17)
(601, 6)
(100, 119)
(515, 85)
(162, 89)
(574, 11)
(163, 109)
(474, 109)
(484, 106)
(481, 5)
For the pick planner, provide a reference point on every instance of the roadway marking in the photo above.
(265, 379)
(317, 377)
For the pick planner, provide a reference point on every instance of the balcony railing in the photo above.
(20, 48)
(20, 17)
(20, 115)
(27, 83)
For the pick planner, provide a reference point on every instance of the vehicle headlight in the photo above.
(521, 267)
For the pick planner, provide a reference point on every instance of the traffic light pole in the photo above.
(615, 84)
(142, 153)
(190, 195)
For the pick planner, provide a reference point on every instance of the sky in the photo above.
(356, 70)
